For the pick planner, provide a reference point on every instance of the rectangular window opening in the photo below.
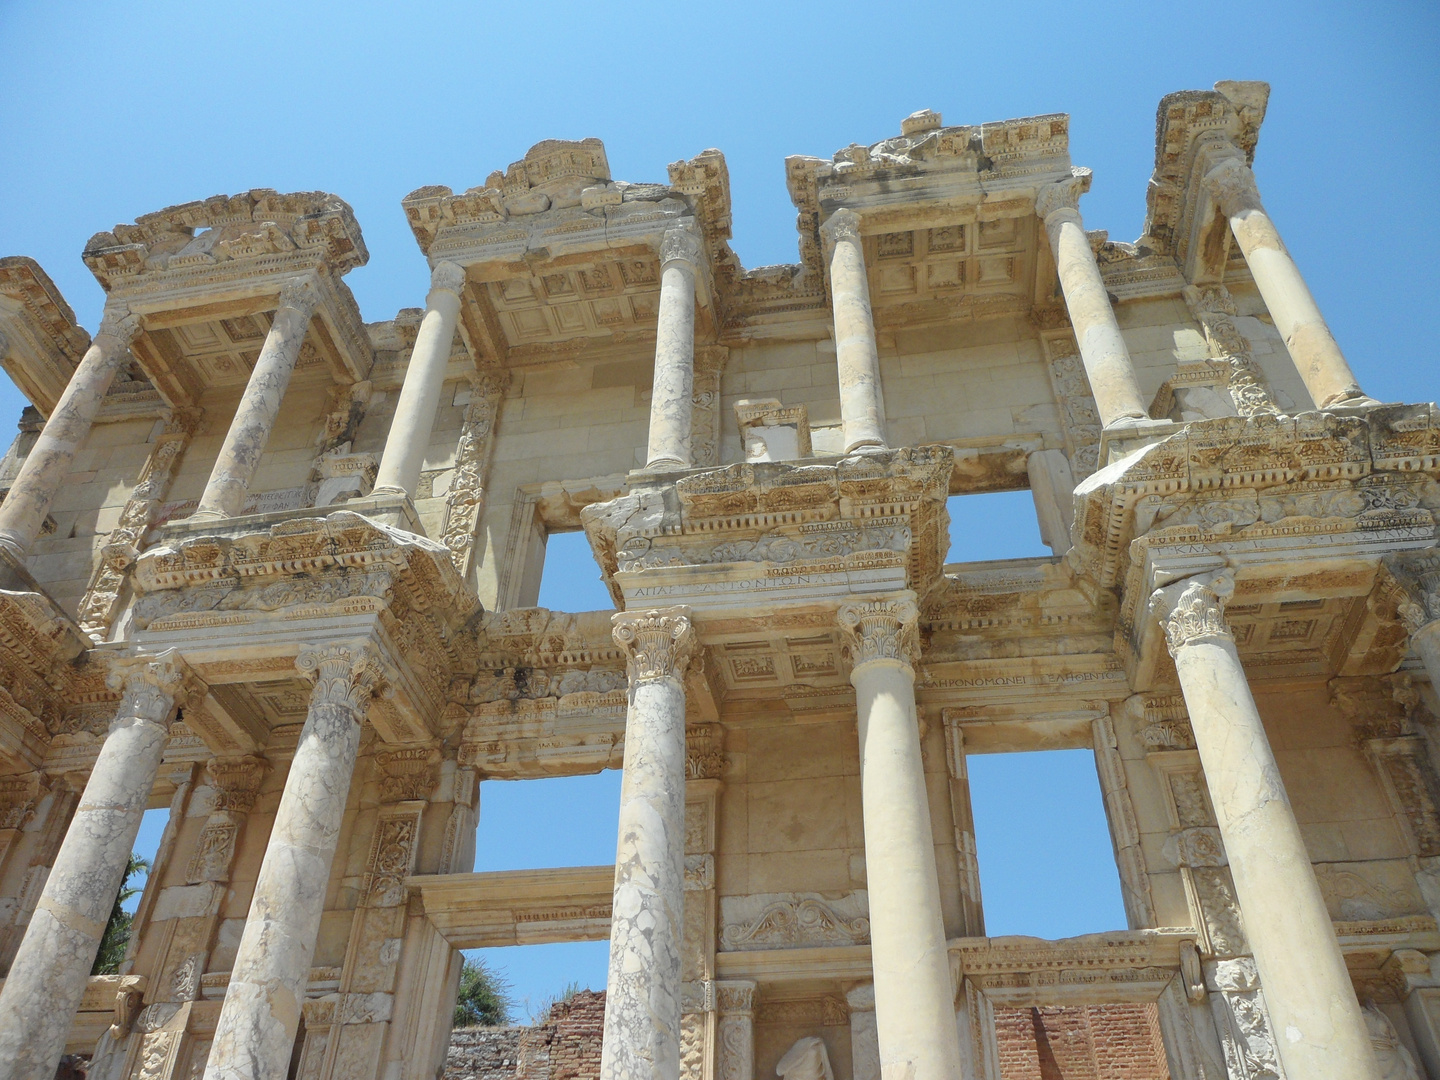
(569, 578)
(1047, 866)
(530, 979)
(991, 525)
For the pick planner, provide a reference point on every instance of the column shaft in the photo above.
(914, 999)
(1312, 346)
(862, 400)
(229, 482)
(48, 463)
(673, 390)
(1102, 346)
(642, 1001)
(255, 1033)
(1320, 1031)
(48, 978)
(414, 418)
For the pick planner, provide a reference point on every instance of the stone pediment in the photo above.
(1260, 494)
(40, 342)
(805, 534)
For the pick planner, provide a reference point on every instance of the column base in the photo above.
(666, 464)
(866, 446)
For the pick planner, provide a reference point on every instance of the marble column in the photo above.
(414, 418)
(48, 977)
(1417, 573)
(1322, 365)
(255, 1033)
(229, 483)
(1102, 346)
(642, 1000)
(914, 999)
(670, 399)
(1319, 1029)
(862, 401)
(48, 463)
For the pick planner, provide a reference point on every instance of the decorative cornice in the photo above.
(658, 643)
(885, 629)
(1192, 610)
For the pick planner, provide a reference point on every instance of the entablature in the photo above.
(40, 342)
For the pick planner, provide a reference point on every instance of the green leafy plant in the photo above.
(117, 931)
(484, 999)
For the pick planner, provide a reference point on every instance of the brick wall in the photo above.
(1081, 1042)
(565, 1047)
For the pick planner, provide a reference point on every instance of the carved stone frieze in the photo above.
(793, 920)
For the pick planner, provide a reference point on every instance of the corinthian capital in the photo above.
(841, 225)
(887, 628)
(447, 277)
(1193, 609)
(681, 243)
(118, 327)
(1418, 575)
(657, 643)
(1232, 185)
(344, 673)
(1062, 194)
(301, 294)
(152, 687)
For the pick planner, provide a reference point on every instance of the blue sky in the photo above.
(118, 110)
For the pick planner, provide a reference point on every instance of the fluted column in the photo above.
(914, 1000)
(1418, 575)
(1320, 1030)
(862, 401)
(256, 1029)
(48, 463)
(229, 482)
(414, 418)
(642, 997)
(1317, 356)
(47, 979)
(1102, 346)
(670, 399)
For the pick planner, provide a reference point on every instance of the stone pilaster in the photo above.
(735, 1030)
(48, 463)
(48, 977)
(256, 1030)
(414, 419)
(1307, 988)
(229, 482)
(465, 500)
(642, 1003)
(1312, 346)
(704, 764)
(671, 407)
(1214, 309)
(914, 998)
(962, 817)
(862, 401)
(1102, 346)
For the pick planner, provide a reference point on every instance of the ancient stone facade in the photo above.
(275, 568)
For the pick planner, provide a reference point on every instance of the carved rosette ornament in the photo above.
(1232, 184)
(658, 643)
(151, 687)
(1192, 610)
(344, 674)
(881, 630)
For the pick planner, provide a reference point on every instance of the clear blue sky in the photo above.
(118, 110)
